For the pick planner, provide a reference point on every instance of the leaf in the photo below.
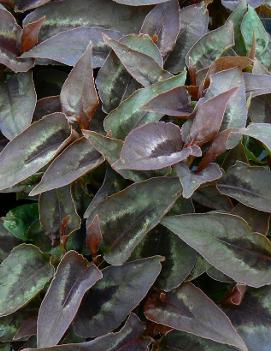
(24, 5)
(9, 326)
(73, 278)
(126, 217)
(58, 214)
(249, 185)
(44, 139)
(189, 309)
(191, 31)
(69, 46)
(129, 115)
(19, 220)
(154, 146)
(23, 274)
(211, 46)
(129, 338)
(192, 181)
(163, 24)
(27, 328)
(252, 318)
(116, 295)
(30, 34)
(46, 106)
(181, 341)
(17, 103)
(140, 2)
(79, 98)
(141, 67)
(10, 32)
(210, 197)
(7, 241)
(175, 102)
(62, 16)
(226, 241)
(180, 259)
(258, 131)
(94, 236)
(208, 118)
(76, 160)
(257, 84)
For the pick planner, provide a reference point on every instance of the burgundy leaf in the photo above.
(236, 295)
(30, 35)
(154, 146)
(73, 277)
(94, 236)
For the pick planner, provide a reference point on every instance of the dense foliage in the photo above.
(135, 175)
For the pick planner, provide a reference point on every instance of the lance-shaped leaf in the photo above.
(252, 26)
(211, 46)
(112, 296)
(236, 112)
(209, 117)
(180, 259)
(61, 16)
(140, 66)
(129, 338)
(182, 341)
(192, 181)
(23, 274)
(162, 23)
(44, 139)
(10, 32)
(79, 98)
(126, 217)
(129, 114)
(17, 104)
(259, 221)
(252, 318)
(30, 35)
(25, 5)
(191, 31)
(112, 183)
(76, 160)
(67, 47)
(250, 185)
(257, 84)
(154, 146)
(189, 309)
(175, 102)
(113, 81)
(226, 241)
(58, 214)
(73, 278)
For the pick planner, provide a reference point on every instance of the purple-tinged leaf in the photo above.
(25, 5)
(257, 84)
(141, 67)
(79, 98)
(23, 275)
(129, 338)
(10, 32)
(211, 46)
(58, 214)
(175, 102)
(154, 146)
(191, 31)
(189, 309)
(209, 116)
(44, 139)
(116, 295)
(94, 236)
(181, 341)
(226, 241)
(252, 318)
(250, 185)
(30, 34)
(192, 181)
(259, 221)
(126, 217)
(27, 329)
(73, 278)
(46, 106)
(162, 23)
(211, 198)
(17, 103)
(64, 15)
(140, 2)
(67, 47)
(76, 160)
(129, 115)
